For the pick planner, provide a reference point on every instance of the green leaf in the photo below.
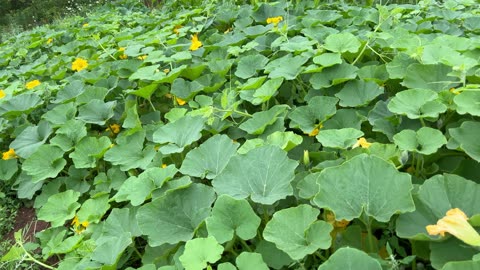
(260, 120)
(93, 209)
(266, 91)
(176, 135)
(364, 184)
(285, 140)
(339, 138)
(59, 208)
(185, 89)
(263, 173)
(89, 150)
(318, 110)
(345, 118)
(250, 260)
(424, 141)
(8, 168)
(199, 252)
(30, 139)
(210, 158)
(417, 103)
(464, 138)
(433, 77)
(60, 114)
(137, 189)
(69, 134)
(328, 59)
(465, 265)
(449, 251)
(70, 91)
(347, 258)
(287, 67)
(116, 235)
(297, 232)
(231, 216)
(273, 256)
(44, 163)
(358, 93)
(342, 43)
(433, 199)
(96, 112)
(248, 65)
(333, 75)
(20, 104)
(468, 102)
(129, 153)
(175, 216)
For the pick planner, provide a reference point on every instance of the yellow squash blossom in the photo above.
(166, 71)
(164, 166)
(10, 154)
(315, 131)
(362, 142)
(177, 28)
(49, 40)
(2, 94)
(142, 57)
(32, 84)
(78, 226)
(275, 20)
(455, 222)
(454, 91)
(123, 56)
(180, 101)
(115, 128)
(195, 43)
(85, 25)
(79, 64)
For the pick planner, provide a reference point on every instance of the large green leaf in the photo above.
(424, 141)
(433, 199)
(449, 251)
(175, 216)
(185, 89)
(250, 260)
(60, 114)
(342, 43)
(348, 258)
(248, 65)
(333, 75)
(129, 153)
(287, 67)
(468, 102)
(115, 236)
(89, 150)
(263, 173)
(44, 163)
(20, 104)
(417, 103)
(96, 111)
(464, 138)
(31, 138)
(69, 134)
(273, 257)
(297, 232)
(366, 184)
(8, 168)
(434, 77)
(260, 120)
(318, 110)
(264, 93)
(59, 208)
(199, 252)
(176, 135)
(209, 159)
(231, 216)
(339, 138)
(358, 93)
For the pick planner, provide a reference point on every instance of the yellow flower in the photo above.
(123, 56)
(362, 142)
(166, 71)
(79, 64)
(164, 166)
(177, 28)
(142, 57)
(180, 101)
(454, 91)
(121, 49)
(2, 94)
(168, 95)
(32, 84)
(85, 25)
(195, 43)
(455, 222)
(115, 128)
(10, 154)
(330, 218)
(275, 20)
(78, 226)
(315, 131)
(49, 40)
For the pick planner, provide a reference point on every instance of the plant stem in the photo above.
(31, 258)
(245, 245)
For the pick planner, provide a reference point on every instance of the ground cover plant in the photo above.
(271, 136)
